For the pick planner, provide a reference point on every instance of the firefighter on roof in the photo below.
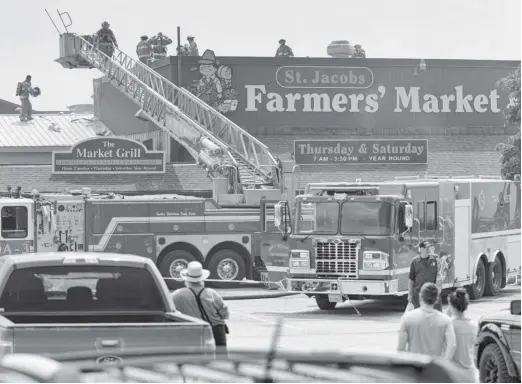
(24, 90)
(106, 39)
(159, 45)
(284, 50)
(144, 50)
(192, 48)
(359, 52)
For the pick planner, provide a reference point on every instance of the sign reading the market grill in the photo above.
(110, 155)
(316, 152)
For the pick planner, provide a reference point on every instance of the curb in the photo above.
(258, 296)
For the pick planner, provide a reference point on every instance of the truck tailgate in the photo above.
(106, 339)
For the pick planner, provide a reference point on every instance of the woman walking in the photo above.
(204, 303)
(465, 331)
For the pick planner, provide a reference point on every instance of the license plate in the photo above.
(335, 298)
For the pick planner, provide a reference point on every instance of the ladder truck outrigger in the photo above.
(222, 232)
(355, 240)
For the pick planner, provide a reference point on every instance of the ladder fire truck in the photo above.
(356, 240)
(222, 232)
(170, 229)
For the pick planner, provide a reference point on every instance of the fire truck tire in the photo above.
(172, 262)
(323, 303)
(227, 264)
(494, 274)
(476, 290)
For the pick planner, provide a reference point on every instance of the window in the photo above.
(431, 216)
(14, 222)
(80, 287)
(367, 218)
(421, 215)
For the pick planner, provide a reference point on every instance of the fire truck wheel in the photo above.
(227, 265)
(476, 290)
(493, 278)
(174, 262)
(323, 303)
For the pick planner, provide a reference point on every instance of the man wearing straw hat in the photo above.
(204, 303)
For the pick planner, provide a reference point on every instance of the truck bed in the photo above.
(105, 333)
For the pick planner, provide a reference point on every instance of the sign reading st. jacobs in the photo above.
(316, 152)
(109, 155)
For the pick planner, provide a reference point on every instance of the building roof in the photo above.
(48, 130)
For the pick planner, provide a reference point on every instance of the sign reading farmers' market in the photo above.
(316, 152)
(108, 155)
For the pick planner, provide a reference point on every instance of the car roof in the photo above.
(57, 258)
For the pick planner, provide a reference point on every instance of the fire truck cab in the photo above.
(357, 240)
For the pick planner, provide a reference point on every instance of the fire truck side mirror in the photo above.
(281, 217)
(408, 215)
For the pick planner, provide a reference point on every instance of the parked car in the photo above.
(497, 352)
(64, 302)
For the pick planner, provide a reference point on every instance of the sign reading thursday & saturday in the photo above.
(316, 152)
(111, 155)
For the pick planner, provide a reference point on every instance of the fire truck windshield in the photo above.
(367, 218)
(317, 217)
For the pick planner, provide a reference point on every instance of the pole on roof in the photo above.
(179, 57)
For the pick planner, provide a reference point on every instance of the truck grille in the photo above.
(337, 257)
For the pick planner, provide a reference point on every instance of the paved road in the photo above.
(308, 328)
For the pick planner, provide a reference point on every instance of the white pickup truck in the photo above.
(65, 302)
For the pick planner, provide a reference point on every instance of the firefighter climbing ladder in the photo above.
(213, 140)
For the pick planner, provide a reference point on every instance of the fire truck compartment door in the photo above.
(273, 248)
(140, 244)
(462, 239)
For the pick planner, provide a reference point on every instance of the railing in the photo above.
(157, 94)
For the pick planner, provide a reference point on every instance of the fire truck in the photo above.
(170, 229)
(356, 240)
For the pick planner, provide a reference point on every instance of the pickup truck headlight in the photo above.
(375, 260)
(300, 259)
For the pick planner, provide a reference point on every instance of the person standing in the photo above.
(284, 50)
(26, 108)
(106, 39)
(425, 330)
(359, 52)
(204, 303)
(466, 331)
(159, 45)
(192, 49)
(423, 269)
(144, 50)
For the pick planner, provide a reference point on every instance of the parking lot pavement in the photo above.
(308, 328)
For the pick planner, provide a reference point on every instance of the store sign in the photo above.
(317, 152)
(110, 155)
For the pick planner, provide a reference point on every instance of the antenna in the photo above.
(273, 349)
(52, 21)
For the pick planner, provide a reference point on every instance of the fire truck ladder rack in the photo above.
(214, 141)
(436, 177)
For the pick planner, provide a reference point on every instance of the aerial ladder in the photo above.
(241, 167)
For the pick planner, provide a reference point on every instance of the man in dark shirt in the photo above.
(423, 269)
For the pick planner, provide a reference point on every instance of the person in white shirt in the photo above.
(426, 330)
(466, 332)
(204, 303)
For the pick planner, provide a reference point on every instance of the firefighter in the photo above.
(106, 39)
(284, 50)
(26, 108)
(144, 50)
(423, 269)
(192, 49)
(159, 45)
(359, 52)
